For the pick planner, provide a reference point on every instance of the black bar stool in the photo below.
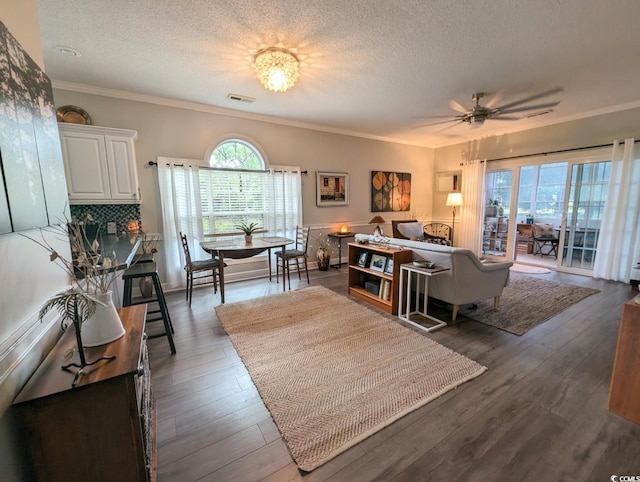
(143, 270)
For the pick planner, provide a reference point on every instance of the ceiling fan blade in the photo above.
(436, 117)
(495, 99)
(450, 126)
(533, 107)
(457, 106)
(438, 123)
(506, 117)
(531, 98)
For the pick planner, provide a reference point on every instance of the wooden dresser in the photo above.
(624, 396)
(102, 430)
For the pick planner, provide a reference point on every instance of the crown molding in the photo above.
(195, 106)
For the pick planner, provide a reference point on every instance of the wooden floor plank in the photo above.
(212, 457)
(538, 413)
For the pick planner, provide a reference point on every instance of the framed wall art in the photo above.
(390, 191)
(332, 189)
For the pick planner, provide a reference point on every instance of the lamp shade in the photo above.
(377, 220)
(454, 199)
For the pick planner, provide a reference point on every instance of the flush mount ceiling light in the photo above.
(277, 68)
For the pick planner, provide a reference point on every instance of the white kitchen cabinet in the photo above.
(100, 164)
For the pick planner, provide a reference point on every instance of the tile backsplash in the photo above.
(120, 214)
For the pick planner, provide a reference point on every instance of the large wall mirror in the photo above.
(448, 181)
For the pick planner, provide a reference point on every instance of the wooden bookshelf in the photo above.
(363, 277)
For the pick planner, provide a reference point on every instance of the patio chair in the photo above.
(544, 236)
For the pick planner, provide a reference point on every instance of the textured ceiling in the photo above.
(369, 67)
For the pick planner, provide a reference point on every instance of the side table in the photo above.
(409, 272)
(339, 237)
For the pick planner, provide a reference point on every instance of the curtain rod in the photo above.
(560, 151)
(154, 163)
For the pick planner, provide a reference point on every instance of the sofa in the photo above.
(469, 280)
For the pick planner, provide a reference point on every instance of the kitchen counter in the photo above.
(122, 248)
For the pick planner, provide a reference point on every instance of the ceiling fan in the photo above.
(476, 116)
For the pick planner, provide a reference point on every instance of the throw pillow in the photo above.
(413, 231)
(544, 231)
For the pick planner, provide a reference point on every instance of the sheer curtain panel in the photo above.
(472, 211)
(179, 195)
(618, 247)
(284, 210)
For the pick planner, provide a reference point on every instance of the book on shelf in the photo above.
(386, 292)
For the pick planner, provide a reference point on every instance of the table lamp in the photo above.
(344, 229)
(453, 199)
(377, 220)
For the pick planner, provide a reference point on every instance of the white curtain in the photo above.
(618, 247)
(179, 196)
(284, 201)
(217, 199)
(472, 210)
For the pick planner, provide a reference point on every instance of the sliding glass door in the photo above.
(497, 213)
(568, 194)
(585, 204)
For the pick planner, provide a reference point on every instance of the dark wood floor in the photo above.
(538, 414)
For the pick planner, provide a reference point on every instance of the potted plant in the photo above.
(491, 209)
(248, 230)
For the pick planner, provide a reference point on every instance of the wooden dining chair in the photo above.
(199, 270)
(297, 254)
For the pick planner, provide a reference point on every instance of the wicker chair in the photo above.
(437, 233)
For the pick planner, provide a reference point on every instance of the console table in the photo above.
(339, 237)
(102, 430)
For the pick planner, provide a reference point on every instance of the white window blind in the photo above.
(272, 199)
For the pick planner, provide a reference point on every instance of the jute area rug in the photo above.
(333, 372)
(527, 302)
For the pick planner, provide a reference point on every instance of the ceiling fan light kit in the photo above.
(277, 68)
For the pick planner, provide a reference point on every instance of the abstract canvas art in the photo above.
(390, 191)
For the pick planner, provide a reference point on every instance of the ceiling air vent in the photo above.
(241, 98)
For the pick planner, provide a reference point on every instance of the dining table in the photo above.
(238, 248)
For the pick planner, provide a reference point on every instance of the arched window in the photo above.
(236, 154)
(240, 189)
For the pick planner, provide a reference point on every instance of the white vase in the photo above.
(104, 326)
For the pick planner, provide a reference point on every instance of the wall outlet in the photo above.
(111, 228)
